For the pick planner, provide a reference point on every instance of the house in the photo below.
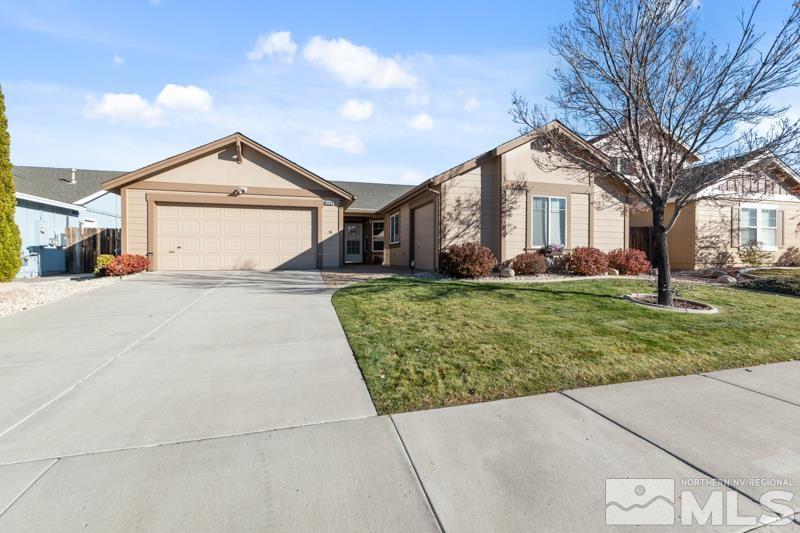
(49, 200)
(235, 204)
(764, 207)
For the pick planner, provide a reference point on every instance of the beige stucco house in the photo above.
(235, 204)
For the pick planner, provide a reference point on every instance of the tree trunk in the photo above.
(661, 258)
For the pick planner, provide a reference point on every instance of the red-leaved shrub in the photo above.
(587, 261)
(125, 264)
(629, 261)
(468, 260)
(529, 263)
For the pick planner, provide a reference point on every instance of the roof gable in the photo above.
(239, 143)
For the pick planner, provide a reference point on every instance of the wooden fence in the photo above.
(85, 244)
(642, 239)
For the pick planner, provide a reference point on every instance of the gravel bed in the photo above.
(16, 296)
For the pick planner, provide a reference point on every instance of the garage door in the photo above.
(198, 237)
(423, 237)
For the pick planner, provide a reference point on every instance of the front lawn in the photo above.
(423, 343)
(776, 273)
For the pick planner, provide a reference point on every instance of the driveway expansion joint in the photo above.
(113, 358)
(30, 485)
(748, 389)
(660, 447)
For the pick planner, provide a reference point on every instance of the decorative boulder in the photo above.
(718, 274)
(726, 280)
(707, 272)
(612, 272)
(507, 273)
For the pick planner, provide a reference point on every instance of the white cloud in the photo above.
(184, 98)
(122, 107)
(118, 60)
(133, 108)
(417, 99)
(357, 65)
(277, 44)
(347, 142)
(471, 104)
(355, 110)
(420, 122)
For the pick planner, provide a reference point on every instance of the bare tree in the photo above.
(656, 96)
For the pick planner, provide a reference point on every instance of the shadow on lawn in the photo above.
(448, 289)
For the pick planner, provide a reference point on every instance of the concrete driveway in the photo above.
(152, 405)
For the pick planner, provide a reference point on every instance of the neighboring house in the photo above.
(764, 208)
(49, 200)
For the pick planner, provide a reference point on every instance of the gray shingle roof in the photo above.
(53, 183)
(372, 196)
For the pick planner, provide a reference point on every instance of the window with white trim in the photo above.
(394, 229)
(548, 221)
(377, 235)
(759, 224)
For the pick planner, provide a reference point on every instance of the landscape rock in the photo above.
(507, 273)
(612, 272)
(726, 280)
(716, 274)
(707, 272)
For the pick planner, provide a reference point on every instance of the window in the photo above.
(377, 235)
(394, 229)
(549, 221)
(759, 224)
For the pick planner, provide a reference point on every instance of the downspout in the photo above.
(437, 208)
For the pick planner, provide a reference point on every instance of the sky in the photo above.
(392, 92)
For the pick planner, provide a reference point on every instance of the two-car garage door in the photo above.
(200, 237)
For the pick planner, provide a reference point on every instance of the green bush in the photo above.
(753, 254)
(780, 285)
(10, 241)
(103, 260)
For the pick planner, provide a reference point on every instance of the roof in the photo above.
(372, 196)
(237, 138)
(54, 183)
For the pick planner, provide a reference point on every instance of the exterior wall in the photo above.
(470, 211)
(43, 225)
(257, 172)
(681, 238)
(400, 254)
(105, 210)
(608, 216)
(594, 213)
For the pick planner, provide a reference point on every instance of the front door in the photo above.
(354, 237)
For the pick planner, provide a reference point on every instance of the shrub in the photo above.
(125, 264)
(753, 254)
(103, 260)
(558, 264)
(629, 261)
(587, 261)
(529, 263)
(780, 285)
(789, 258)
(468, 260)
(10, 240)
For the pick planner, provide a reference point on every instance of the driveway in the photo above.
(164, 391)
(231, 402)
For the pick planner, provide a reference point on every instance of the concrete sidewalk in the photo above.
(232, 402)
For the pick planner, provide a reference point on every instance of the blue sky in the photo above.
(369, 91)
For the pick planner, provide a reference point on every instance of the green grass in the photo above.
(776, 273)
(423, 344)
